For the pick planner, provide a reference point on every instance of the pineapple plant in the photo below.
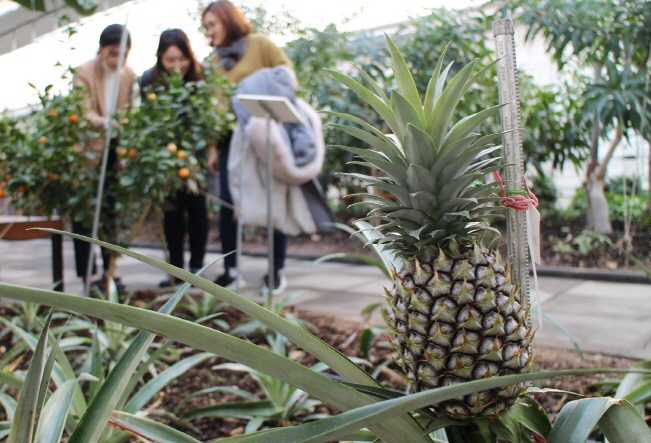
(453, 311)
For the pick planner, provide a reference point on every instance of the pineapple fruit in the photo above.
(453, 311)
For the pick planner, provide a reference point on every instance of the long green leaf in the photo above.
(376, 102)
(388, 148)
(150, 430)
(578, 418)
(376, 87)
(622, 423)
(433, 92)
(22, 428)
(639, 395)
(8, 404)
(5, 428)
(329, 429)
(392, 150)
(53, 418)
(227, 389)
(468, 124)
(531, 415)
(405, 80)
(45, 381)
(444, 109)
(238, 409)
(359, 257)
(11, 380)
(220, 344)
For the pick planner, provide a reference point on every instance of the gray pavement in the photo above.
(605, 317)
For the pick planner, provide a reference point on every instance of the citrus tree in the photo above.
(162, 146)
(164, 142)
(42, 170)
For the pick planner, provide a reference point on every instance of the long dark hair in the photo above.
(176, 37)
(234, 22)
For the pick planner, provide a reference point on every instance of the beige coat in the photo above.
(247, 175)
(90, 75)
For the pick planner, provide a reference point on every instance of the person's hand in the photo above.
(213, 160)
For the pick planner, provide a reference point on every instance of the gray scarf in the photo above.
(229, 55)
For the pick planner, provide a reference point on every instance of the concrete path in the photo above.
(603, 317)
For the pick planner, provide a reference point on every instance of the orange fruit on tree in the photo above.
(42, 140)
(3, 194)
(7, 177)
(121, 152)
(73, 118)
(151, 96)
(22, 189)
(184, 172)
(133, 152)
(52, 113)
(171, 147)
(181, 155)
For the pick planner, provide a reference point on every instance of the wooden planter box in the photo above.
(17, 228)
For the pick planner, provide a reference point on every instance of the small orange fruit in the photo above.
(7, 177)
(22, 189)
(184, 172)
(73, 118)
(42, 140)
(3, 194)
(122, 152)
(181, 155)
(133, 152)
(125, 121)
(151, 96)
(171, 147)
(52, 113)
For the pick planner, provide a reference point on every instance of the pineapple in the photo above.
(453, 311)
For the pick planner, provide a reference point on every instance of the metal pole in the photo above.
(111, 104)
(507, 81)
(270, 218)
(240, 227)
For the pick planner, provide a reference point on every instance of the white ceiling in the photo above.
(20, 26)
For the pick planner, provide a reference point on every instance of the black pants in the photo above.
(228, 224)
(106, 228)
(175, 227)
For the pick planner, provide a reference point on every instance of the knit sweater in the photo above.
(260, 53)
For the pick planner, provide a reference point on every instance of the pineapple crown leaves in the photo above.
(429, 165)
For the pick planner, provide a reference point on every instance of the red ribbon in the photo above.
(516, 201)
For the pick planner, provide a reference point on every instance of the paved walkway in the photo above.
(604, 317)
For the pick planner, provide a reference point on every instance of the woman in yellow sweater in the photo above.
(238, 54)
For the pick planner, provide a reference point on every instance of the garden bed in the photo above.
(337, 333)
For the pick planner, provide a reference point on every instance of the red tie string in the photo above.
(516, 199)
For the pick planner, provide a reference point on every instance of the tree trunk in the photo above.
(598, 216)
(594, 159)
(648, 200)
